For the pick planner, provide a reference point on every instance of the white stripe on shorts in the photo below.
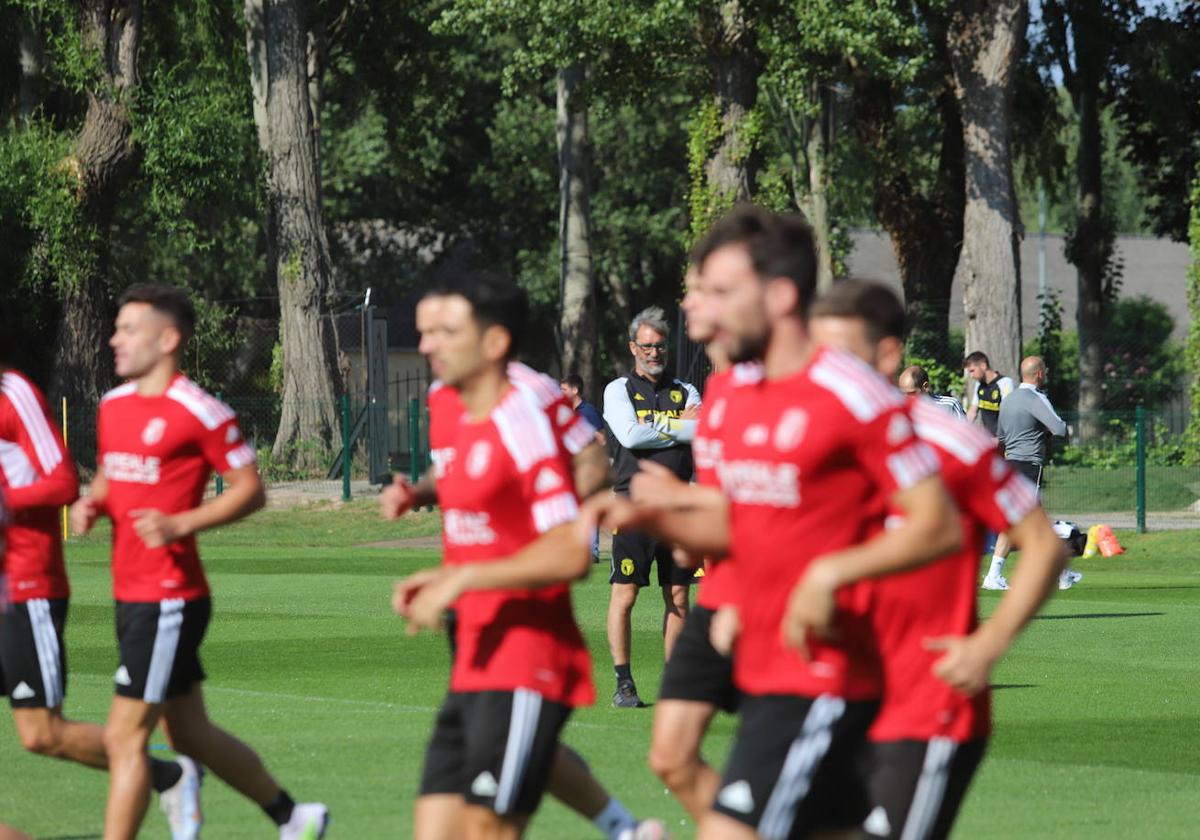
(45, 640)
(803, 758)
(931, 789)
(162, 657)
(522, 728)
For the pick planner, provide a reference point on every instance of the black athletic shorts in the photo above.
(495, 748)
(695, 670)
(796, 765)
(1030, 470)
(917, 787)
(160, 647)
(33, 658)
(634, 552)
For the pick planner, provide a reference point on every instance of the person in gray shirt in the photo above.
(1026, 423)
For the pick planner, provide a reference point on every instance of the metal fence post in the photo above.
(345, 447)
(1141, 470)
(414, 439)
(220, 481)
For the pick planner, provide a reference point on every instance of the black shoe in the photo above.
(626, 696)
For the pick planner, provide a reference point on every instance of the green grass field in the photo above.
(1097, 721)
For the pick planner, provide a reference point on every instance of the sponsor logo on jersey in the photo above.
(899, 430)
(478, 458)
(441, 460)
(132, 468)
(707, 452)
(716, 415)
(153, 432)
(737, 797)
(468, 527)
(756, 435)
(547, 481)
(790, 431)
(761, 483)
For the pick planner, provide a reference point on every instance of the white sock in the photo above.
(997, 566)
(614, 819)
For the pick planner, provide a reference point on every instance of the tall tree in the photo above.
(104, 158)
(1083, 38)
(985, 40)
(577, 319)
(298, 252)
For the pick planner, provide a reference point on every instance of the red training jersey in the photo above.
(809, 463)
(938, 599)
(714, 586)
(502, 482)
(37, 477)
(157, 452)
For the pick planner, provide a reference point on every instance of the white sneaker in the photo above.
(995, 582)
(1067, 579)
(647, 830)
(309, 821)
(1075, 576)
(181, 802)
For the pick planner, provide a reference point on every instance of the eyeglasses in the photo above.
(661, 348)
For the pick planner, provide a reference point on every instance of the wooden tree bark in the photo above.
(577, 319)
(104, 158)
(984, 40)
(731, 168)
(32, 49)
(297, 249)
(817, 210)
(925, 228)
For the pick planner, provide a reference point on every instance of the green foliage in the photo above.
(941, 360)
(1144, 365)
(1192, 351)
(704, 134)
(1118, 447)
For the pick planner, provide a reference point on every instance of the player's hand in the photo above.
(691, 412)
(610, 510)
(84, 514)
(397, 498)
(156, 528)
(685, 559)
(810, 608)
(966, 663)
(725, 628)
(427, 609)
(653, 484)
(405, 589)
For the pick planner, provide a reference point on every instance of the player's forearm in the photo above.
(556, 556)
(591, 470)
(931, 529)
(1043, 558)
(98, 490)
(240, 499)
(59, 488)
(701, 529)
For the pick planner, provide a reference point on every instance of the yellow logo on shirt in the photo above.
(627, 566)
(677, 396)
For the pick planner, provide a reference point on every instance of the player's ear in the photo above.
(170, 340)
(496, 343)
(782, 298)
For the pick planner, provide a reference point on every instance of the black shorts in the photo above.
(495, 748)
(632, 555)
(917, 787)
(796, 765)
(33, 658)
(1030, 470)
(695, 670)
(160, 647)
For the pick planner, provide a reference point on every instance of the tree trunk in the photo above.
(984, 40)
(817, 152)
(297, 250)
(1089, 250)
(33, 66)
(577, 320)
(925, 230)
(105, 157)
(730, 168)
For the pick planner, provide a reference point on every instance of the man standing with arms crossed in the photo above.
(1026, 423)
(159, 437)
(648, 417)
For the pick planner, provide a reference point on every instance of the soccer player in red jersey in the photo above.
(507, 494)
(37, 478)
(159, 438)
(933, 725)
(809, 459)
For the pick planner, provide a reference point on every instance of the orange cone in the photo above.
(1107, 542)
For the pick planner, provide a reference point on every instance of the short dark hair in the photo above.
(573, 380)
(171, 301)
(918, 375)
(496, 301)
(977, 358)
(780, 246)
(876, 304)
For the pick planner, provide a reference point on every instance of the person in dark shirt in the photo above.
(572, 388)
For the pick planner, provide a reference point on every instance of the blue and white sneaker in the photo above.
(181, 802)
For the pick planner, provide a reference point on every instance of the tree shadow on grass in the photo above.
(1000, 686)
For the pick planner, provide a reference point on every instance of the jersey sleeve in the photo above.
(224, 447)
(888, 450)
(1000, 496)
(38, 470)
(570, 427)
